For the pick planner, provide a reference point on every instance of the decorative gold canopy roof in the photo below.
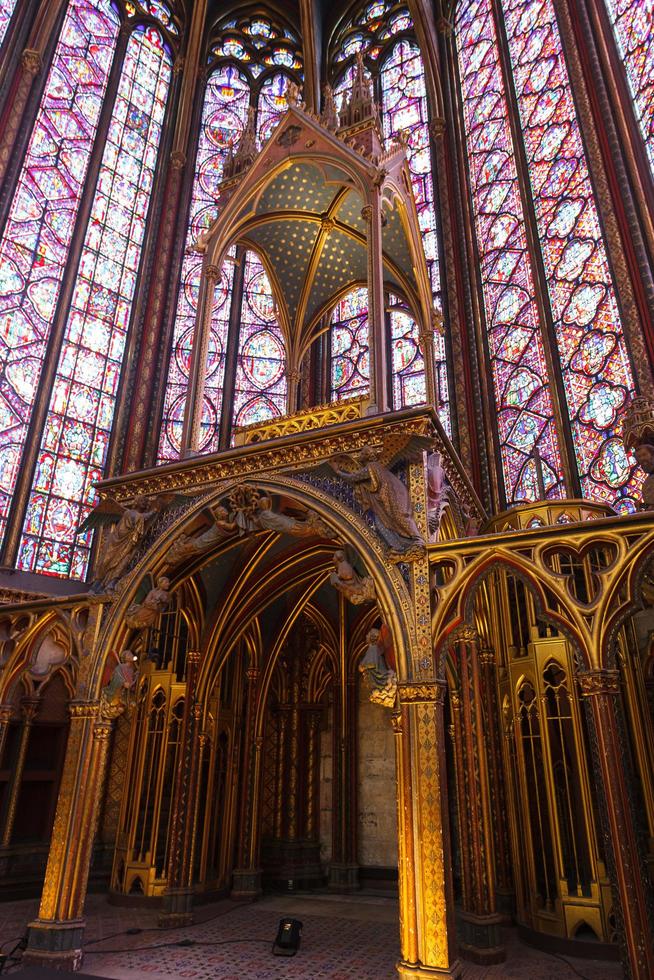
(301, 205)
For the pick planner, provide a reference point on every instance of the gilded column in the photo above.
(195, 402)
(246, 880)
(481, 939)
(279, 774)
(313, 760)
(379, 394)
(601, 688)
(459, 777)
(178, 897)
(29, 707)
(309, 18)
(55, 937)
(427, 933)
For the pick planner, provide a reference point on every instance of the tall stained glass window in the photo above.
(633, 24)
(250, 65)
(588, 343)
(350, 366)
(78, 426)
(260, 388)
(383, 33)
(37, 234)
(224, 115)
(7, 8)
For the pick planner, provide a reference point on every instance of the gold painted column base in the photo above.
(57, 945)
(409, 971)
(481, 938)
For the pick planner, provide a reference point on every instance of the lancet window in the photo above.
(249, 67)
(7, 8)
(383, 33)
(563, 343)
(70, 252)
(633, 26)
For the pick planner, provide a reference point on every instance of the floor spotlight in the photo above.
(287, 940)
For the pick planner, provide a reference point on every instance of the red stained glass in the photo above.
(522, 396)
(6, 12)
(633, 24)
(260, 389)
(78, 426)
(350, 366)
(34, 245)
(595, 366)
(223, 118)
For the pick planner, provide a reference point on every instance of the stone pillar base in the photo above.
(57, 945)
(246, 883)
(481, 938)
(505, 901)
(343, 878)
(177, 908)
(409, 971)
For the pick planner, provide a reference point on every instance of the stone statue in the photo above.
(379, 490)
(143, 614)
(356, 588)
(189, 546)
(115, 694)
(128, 524)
(380, 678)
(269, 520)
(645, 458)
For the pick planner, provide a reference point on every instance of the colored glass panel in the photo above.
(633, 24)
(6, 13)
(37, 235)
(78, 427)
(522, 396)
(595, 367)
(272, 103)
(404, 110)
(408, 365)
(223, 117)
(350, 364)
(260, 388)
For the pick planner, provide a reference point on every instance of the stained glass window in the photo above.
(589, 342)
(633, 24)
(515, 345)
(595, 366)
(395, 65)
(408, 365)
(260, 389)
(350, 366)
(272, 104)
(404, 110)
(78, 427)
(6, 13)
(223, 118)
(35, 241)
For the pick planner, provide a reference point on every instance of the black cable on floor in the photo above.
(567, 963)
(183, 943)
(135, 931)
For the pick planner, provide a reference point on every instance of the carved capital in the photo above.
(102, 730)
(31, 62)
(444, 26)
(193, 657)
(463, 633)
(367, 212)
(177, 160)
(486, 656)
(437, 127)
(83, 709)
(396, 722)
(29, 707)
(594, 682)
(252, 674)
(5, 713)
(178, 66)
(213, 273)
(422, 692)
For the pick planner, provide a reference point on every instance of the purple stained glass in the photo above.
(223, 118)
(272, 103)
(408, 367)
(38, 231)
(260, 388)
(633, 24)
(6, 13)
(350, 364)
(595, 366)
(522, 396)
(404, 110)
(78, 427)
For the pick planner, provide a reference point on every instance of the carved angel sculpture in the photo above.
(270, 520)
(379, 676)
(119, 681)
(143, 614)
(128, 525)
(355, 587)
(377, 489)
(188, 546)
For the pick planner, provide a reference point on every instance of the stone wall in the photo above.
(376, 785)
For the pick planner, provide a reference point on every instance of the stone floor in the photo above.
(342, 938)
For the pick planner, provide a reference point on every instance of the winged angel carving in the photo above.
(128, 524)
(379, 490)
